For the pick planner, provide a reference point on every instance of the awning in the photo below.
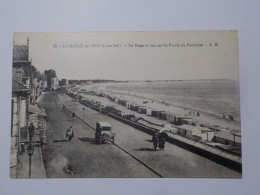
(35, 109)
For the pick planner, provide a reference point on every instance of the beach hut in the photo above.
(163, 115)
(128, 104)
(170, 117)
(155, 113)
(133, 107)
(142, 110)
(194, 133)
(180, 120)
(228, 138)
(188, 121)
(176, 120)
(182, 131)
(136, 107)
(113, 98)
(123, 102)
(117, 100)
(160, 115)
(149, 111)
(109, 97)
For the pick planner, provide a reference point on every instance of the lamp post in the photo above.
(30, 150)
(83, 112)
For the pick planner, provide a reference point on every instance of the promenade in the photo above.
(132, 156)
(173, 162)
(81, 157)
(37, 164)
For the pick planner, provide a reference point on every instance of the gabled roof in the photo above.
(18, 87)
(36, 110)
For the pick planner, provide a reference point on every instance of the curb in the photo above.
(41, 159)
(140, 161)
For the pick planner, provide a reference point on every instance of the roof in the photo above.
(168, 127)
(229, 136)
(188, 127)
(18, 87)
(148, 124)
(104, 124)
(195, 128)
(36, 110)
(205, 129)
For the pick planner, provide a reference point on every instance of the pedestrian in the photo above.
(162, 138)
(73, 115)
(22, 150)
(155, 141)
(31, 130)
(69, 133)
(63, 107)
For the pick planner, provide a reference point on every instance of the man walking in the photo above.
(69, 133)
(73, 115)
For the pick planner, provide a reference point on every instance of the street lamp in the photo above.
(83, 112)
(30, 150)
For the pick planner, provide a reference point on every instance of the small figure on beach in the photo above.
(73, 115)
(69, 133)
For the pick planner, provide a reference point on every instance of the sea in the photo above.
(213, 96)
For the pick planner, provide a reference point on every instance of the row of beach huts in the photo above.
(185, 124)
(173, 118)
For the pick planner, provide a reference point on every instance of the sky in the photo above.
(151, 55)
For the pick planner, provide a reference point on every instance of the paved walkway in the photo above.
(172, 162)
(82, 157)
(37, 167)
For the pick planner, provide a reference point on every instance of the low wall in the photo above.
(232, 164)
(138, 126)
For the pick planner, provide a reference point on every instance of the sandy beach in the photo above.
(204, 117)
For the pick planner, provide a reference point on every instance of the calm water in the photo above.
(212, 96)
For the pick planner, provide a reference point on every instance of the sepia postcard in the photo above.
(126, 105)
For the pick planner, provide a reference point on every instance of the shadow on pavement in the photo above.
(68, 120)
(62, 140)
(87, 139)
(145, 149)
(148, 140)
